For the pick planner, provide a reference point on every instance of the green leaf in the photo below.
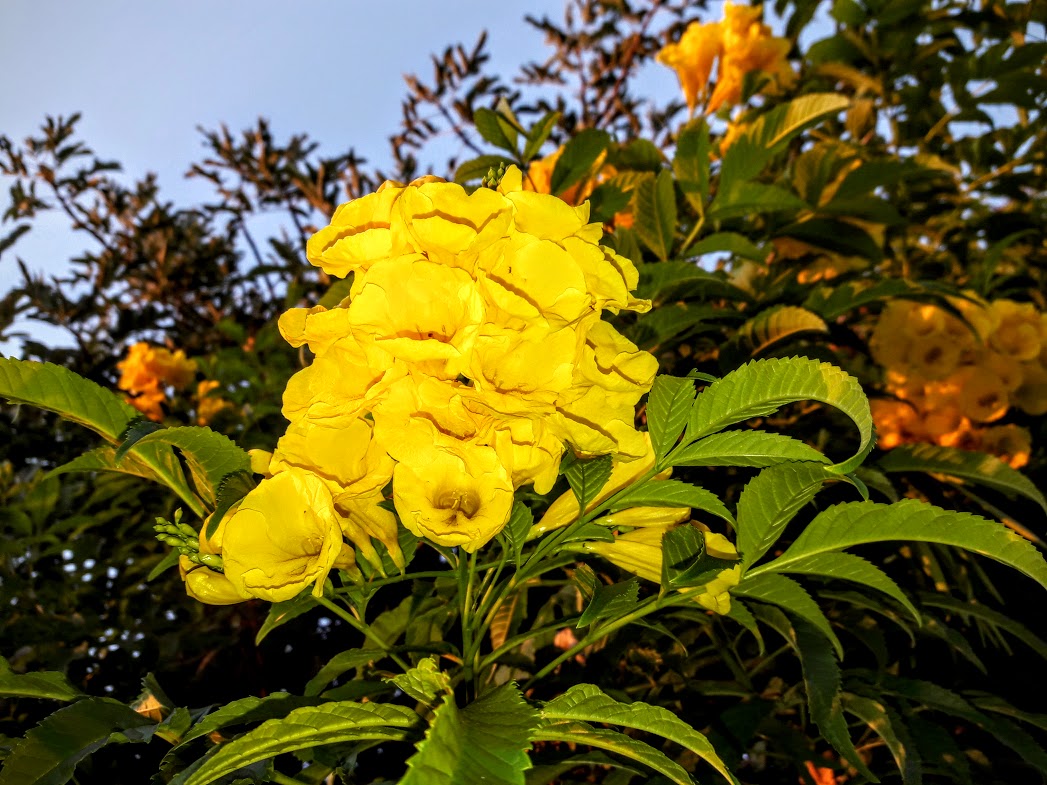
(839, 237)
(759, 388)
(770, 500)
(977, 467)
(668, 406)
(676, 320)
(660, 279)
(209, 455)
(50, 752)
(610, 601)
(986, 615)
(769, 134)
(425, 682)
(59, 390)
(685, 561)
(494, 128)
(328, 723)
(777, 324)
(162, 566)
(486, 742)
(656, 214)
(51, 685)
(639, 155)
(103, 459)
(231, 489)
(578, 157)
(831, 302)
(672, 493)
(856, 523)
(134, 432)
(821, 678)
(282, 612)
(339, 664)
(586, 476)
(691, 162)
(248, 710)
(847, 567)
(744, 448)
(515, 532)
(538, 134)
(791, 596)
(728, 242)
(586, 703)
(613, 741)
(745, 198)
(477, 168)
(740, 612)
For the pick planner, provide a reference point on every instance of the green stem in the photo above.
(283, 779)
(466, 579)
(359, 626)
(516, 640)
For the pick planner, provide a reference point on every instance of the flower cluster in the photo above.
(539, 178)
(468, 355)
(147, 370)
(741, 43)
(952, 376)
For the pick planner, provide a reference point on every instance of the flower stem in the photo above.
(359, 626)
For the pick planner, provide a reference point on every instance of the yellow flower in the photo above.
(982, 397)
(359, 235)
(1017, 334)
(692, 58)
(363, 520)
(1010, 443)
(147, 370)
(1031, 396)
(934, 356)
(341, 452)
(432, 322)
(208, 406)
(284, 537)
(150, 404)
(640, 552)
(457, 494)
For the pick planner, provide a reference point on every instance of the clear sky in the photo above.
(146, 73)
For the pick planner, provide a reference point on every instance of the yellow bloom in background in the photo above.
(741, 43)
(1031, 396)
(455, 494)
(284, 536)
(1018, 332)
(1010, 443)
(147, 370)
(207, 405)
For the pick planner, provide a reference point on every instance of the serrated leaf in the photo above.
(487, 742)
(676, 320)
(655, 214)
(977, 467)
(103, 459)
(231, 489)
(986, 615)
(248, 710)
(133, 433)
(50, 685)
(586, 703)
(691, 162)
(847, 567)
(515, 532)
(425, 682)
(857, 523)
(328, 723)
(50, 752)
(745, 198)
(937, 746)
(282, 612)
(841, 237)
(210, 456)
(770, 500)
(59, 390)
(610, 601)
(740, 612)
(339, 664)
(791, 596)
(578, 157)
(613, 741)
(685, 561)
(754, 448)
(672, 493)
(777, 324)
(538, 134)
(760, 387)
(668, 406)
(587, 476)
(821, 678)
